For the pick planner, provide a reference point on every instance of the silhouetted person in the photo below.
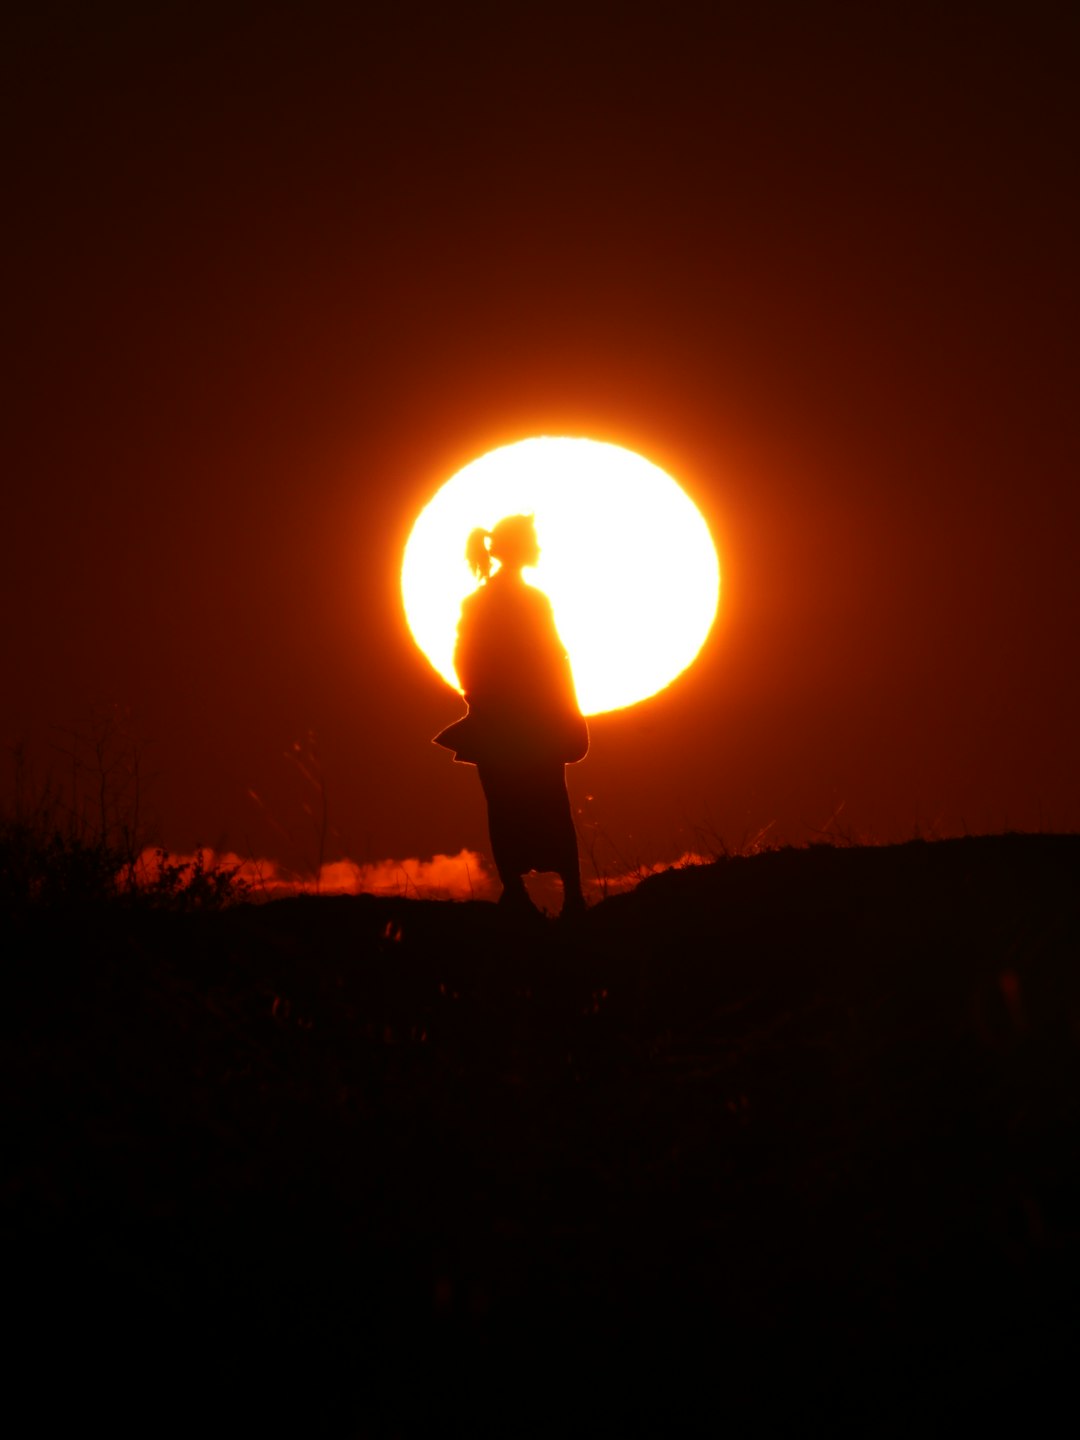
(524, 725)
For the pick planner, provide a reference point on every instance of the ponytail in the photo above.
(477, 554)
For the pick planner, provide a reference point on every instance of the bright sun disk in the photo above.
(626, 559)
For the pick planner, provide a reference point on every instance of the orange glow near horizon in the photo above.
(626, 559)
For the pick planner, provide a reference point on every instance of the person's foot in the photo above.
(573, 906)
(519, 916)
(514, 896)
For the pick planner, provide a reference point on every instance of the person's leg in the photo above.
(569, 869)
(504, 835)
(531, 827)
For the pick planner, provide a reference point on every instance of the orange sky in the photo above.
(272, 278)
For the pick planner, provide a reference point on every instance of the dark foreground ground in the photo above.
(793, 1133)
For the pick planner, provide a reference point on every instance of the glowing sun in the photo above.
(626, 560)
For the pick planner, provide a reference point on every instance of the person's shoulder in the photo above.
(537, 598)
(475, 601)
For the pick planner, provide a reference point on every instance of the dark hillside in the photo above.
(800, 1127)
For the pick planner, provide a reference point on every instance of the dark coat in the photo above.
(517, 681)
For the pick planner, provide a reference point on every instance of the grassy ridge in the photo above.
(813, 1113)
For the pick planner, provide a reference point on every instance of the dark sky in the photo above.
(275, 272)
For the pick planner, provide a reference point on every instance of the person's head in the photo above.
(512, 542)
